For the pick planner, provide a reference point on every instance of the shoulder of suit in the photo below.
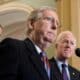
(10, 40)
(52, 59)
(74, 69)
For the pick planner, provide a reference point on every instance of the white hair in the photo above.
(62, 34)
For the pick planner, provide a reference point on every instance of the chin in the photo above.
(49, 40)
(48, 45)
(67, 57)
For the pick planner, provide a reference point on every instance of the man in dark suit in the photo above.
(20, 60)
(65, 47)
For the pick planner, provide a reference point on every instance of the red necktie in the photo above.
(46, 63)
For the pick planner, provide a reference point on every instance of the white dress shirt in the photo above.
(59, 63)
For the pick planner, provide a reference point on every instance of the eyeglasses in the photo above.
(50, 19)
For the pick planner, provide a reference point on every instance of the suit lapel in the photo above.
(55, 72)
(73, 74)
(36, 61)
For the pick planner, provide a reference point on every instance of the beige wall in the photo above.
(69, 13)
(38, 3)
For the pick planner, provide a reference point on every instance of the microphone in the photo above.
(77, 52)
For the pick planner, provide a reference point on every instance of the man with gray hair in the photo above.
(65, 48)
(22, 60)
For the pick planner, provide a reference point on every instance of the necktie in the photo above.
(64, 73)
(46, 63)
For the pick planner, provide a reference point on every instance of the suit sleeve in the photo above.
(8, 60)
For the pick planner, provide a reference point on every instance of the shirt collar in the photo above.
(38, 49)
(60, 62)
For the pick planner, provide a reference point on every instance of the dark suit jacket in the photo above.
(19, 60)
(74, 74)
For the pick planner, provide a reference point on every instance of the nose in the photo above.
(54, 26)
(68, 45)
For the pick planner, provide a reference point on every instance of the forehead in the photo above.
(68, 36)
(50, 13)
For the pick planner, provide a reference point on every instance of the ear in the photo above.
(30, 24)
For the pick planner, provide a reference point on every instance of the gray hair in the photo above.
(62, 34)
(36, 14)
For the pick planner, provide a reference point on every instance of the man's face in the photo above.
(46, 28)
(66, 46)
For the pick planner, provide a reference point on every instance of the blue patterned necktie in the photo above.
(46, 63)
(64, 73)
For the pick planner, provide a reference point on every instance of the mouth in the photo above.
(50, 35)
(49, 38)
(67, 51)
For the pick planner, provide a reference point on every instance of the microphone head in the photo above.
(77, 52)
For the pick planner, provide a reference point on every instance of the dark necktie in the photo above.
(64, 73)
(46, 63)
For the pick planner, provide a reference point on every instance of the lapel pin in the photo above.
(73, 73)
